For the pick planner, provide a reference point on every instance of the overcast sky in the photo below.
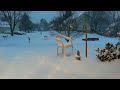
(37, 15)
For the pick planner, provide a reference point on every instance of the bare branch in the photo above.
(12, 18)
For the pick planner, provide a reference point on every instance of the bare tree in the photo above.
(96, 19)
(66, 23)
(12, 18)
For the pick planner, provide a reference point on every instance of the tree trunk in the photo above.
(12, 33)
(11, 29)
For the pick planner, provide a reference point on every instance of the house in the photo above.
(4, 27)
(113, 28)
(82, 23)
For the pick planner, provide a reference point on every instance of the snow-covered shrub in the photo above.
(109, 53)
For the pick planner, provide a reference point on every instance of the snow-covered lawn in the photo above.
(19, 59)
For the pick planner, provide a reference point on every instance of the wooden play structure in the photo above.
(64, 45)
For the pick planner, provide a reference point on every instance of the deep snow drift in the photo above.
(19, 59)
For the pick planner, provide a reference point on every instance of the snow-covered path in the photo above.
(19, 59)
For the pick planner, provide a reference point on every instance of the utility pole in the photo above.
(86, 49)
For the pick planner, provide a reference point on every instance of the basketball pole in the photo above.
(86, 40)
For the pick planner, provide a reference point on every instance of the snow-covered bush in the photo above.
(109, 53)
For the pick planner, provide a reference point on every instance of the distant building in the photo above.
(82, 23)
(4, 27)
(111, 26)
(112, 29)
(4, 24)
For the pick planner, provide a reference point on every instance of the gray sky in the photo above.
(37, 15)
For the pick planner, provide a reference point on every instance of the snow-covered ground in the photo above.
(19, 59)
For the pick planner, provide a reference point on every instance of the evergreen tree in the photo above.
(25, 23)
(44, 25)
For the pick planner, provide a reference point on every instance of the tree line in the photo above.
(22, 20)
(67, 23)
(105, 23)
